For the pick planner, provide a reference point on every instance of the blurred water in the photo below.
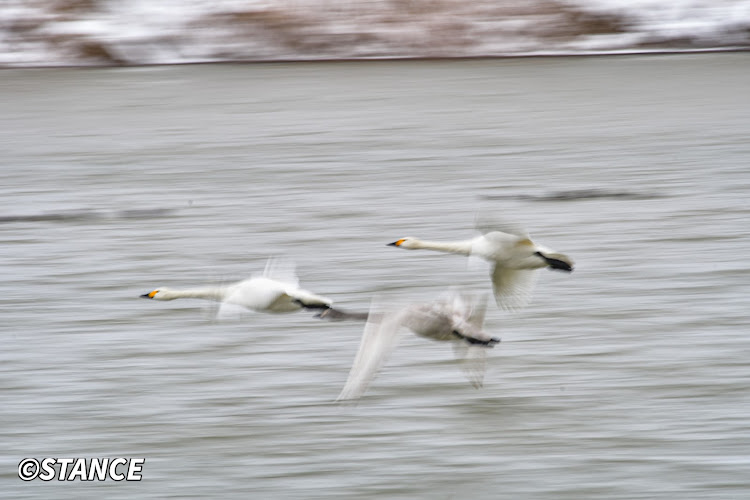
(626, 379)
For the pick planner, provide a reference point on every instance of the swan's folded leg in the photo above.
(556, 261)
(308, 300)
(332, 314)
(311, 306)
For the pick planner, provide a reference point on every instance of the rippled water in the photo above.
(626, 379)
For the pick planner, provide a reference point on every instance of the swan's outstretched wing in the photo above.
(227, 311)
(283, 272)
(454, 300)
(472, 360)
(513, 287)
(468, 306)
(477, 312)
(281, 269)
(378, 341)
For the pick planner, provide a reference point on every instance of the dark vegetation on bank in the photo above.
(367, 30)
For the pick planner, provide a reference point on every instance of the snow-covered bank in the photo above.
(114, 32)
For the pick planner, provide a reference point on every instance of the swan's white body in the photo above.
(515, 259)
(276, 291)
(455, 318)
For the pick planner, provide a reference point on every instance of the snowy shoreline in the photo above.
(80, 33)
(654, 52)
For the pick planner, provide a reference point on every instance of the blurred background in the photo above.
(122, 172)
(112, 32)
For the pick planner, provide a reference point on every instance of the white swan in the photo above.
(514, 256)
(455, 317)
(275, 291)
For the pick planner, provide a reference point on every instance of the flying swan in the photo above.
(275, 291)
(514, 256)
(455, 317)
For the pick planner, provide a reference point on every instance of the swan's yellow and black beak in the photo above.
(149, 295)
(395, 243)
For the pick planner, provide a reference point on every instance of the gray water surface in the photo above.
(626, 379)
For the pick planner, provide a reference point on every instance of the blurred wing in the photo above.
(478, 310)
(472, 360)
(468, 306)
(378, 341)
(281, 269)
(486, 222)
(513, 287)
(229, 312)
(223, 311)
(454, 300)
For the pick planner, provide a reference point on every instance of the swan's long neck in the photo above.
(208, 293)
(459, 247)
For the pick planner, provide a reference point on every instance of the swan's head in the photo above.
(408, 243)
(158, 294)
